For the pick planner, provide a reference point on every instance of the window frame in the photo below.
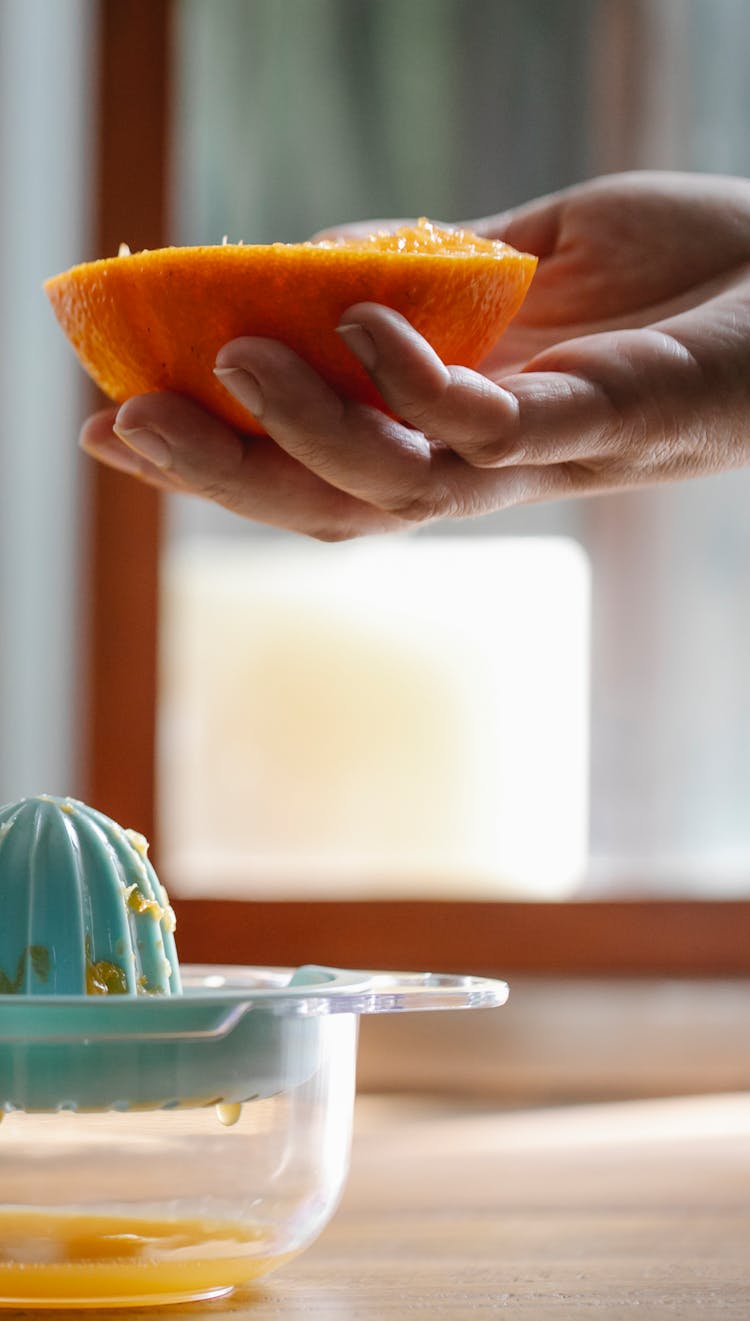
(604, 937)
(124, 518)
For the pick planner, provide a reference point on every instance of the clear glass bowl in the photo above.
(162, 1151)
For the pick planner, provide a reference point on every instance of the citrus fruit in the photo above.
(155, 320)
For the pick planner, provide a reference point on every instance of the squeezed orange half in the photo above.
(155, 320)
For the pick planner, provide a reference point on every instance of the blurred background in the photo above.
(547, 704)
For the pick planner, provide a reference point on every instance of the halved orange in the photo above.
(155, 320)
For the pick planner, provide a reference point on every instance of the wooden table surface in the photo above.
(452, 1211)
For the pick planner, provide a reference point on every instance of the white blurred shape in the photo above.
(397, 717)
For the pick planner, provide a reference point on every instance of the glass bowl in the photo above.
(167, 1150)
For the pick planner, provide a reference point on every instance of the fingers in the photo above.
(451, 414)
(347, 470)
(450, 404)
(633, 396)
(100, 442)
(601, 412)
(539, 418)
(353, 447)
(169, 442)
(417, 472)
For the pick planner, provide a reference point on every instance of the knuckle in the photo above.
(425, 506)
(216, 490)
(418, 413)
(493, 451)
(423, 405)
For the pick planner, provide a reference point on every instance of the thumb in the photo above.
(533, 227)
(357, 229)
(631, 398)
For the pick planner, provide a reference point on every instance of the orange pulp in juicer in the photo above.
(50, 1260)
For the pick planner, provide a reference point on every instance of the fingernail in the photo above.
(361, 343)
(243, 386)
(147, 443)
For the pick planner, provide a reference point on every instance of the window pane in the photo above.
(296, 114)
(45, 187)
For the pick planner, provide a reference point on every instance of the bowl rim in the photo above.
(216, 997)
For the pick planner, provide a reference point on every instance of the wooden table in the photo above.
(636, 1210)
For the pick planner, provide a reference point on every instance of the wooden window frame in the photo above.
(639, 937)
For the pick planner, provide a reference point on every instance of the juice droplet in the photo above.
(228, 1112)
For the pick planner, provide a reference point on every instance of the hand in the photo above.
(629, 363)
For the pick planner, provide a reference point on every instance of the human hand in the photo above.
(629, 363)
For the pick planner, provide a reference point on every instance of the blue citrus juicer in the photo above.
(167, 1133)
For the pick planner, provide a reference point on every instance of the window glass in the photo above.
(45, 190)
(291, 115)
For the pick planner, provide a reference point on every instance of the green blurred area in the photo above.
(297, 114)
